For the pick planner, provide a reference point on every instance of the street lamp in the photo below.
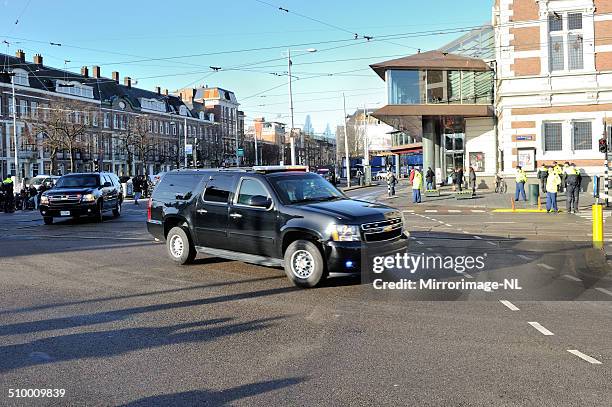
(291, 139)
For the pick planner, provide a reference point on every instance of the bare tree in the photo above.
(63, 125)
(138, 140)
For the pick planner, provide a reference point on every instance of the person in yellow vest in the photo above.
(572, 183)
(542, 176)
(558, 170)
(552, 186)
(521, 179)
(417, 183)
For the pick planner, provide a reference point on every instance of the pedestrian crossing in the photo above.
(588, 215)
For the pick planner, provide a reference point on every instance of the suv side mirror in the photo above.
(260, 201)
(107, 184)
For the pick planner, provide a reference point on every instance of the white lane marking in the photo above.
(435, 220)
(522, 256)
(440, 222)
(419, 242)
(466, 232)
(569, 277)
(492, 243)
(478, 237)
(429, 248)
(603, 290)
(454, 211)
(478, 211)
(431, 211)
(582, 356)
(467, 275)
(413, 238)
(446, 224)
(540, 328)
(510, 305)
(409, 211)
(500, 222)
(546, 266)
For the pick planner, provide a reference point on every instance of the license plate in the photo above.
(64, 213)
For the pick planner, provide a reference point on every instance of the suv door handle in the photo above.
(235, 215)
(202, 211)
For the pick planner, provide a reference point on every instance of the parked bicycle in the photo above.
(500, 185)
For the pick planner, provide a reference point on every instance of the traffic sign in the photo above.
(188, 149)
(240, 152)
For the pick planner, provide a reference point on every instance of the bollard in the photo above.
(597, 226)
(512, 203)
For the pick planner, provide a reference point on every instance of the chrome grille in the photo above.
(382, 230)
(62, 200)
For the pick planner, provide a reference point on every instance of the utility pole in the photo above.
(291, 139)
(346, 145)
(366, 146)
(185, 135)
(17, 172)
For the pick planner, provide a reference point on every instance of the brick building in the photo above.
(554, 81)
(107, 110)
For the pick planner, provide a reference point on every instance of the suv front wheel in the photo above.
(179, 246)
(304, 264)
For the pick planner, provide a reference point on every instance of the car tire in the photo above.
(179, 246)
(99, 216)
(48, 220)
(117, 210)
(304, 264)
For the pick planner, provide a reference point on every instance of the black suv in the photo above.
(82, 194)
(273, 216)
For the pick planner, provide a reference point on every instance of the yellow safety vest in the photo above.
(552, 182)
(521, 176)
(417, 181)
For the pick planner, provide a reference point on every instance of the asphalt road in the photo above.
(98, 310)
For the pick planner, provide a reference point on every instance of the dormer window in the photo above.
(74, 89)
(202, 116)
(183, 110)
(21, 77)
(153, 104)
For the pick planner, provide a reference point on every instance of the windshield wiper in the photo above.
(322, 199)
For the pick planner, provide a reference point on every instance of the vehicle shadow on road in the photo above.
(215, 398)
(115, 342)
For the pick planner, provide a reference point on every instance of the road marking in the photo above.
(419, 242)
(466, 232)
(582, 356)
(413, 238)
(435, 220)
(478, 237)
(500, 222)
(430, 249)
(540, 328)
(467, 275)
(569, 277)
(510, 305)
(603, 290)
(454, 211)
(431, 211)
(546, 266)
(440, 222)
(492, 243)
(409, 211)
(450, 226)
(478, 211)
(522, 256)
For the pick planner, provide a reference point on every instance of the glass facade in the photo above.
(417, 87)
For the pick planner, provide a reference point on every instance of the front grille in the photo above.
(63, 200)
(383, 230)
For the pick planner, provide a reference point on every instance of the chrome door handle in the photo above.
(202, 211)
(235, 215)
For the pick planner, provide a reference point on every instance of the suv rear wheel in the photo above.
(179, 246)
(304, 264)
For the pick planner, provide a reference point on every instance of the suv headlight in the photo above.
(44, 200)
(345, 233)
(88, 198)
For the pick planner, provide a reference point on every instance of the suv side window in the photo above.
(249, 188)
(173, 184)
(218, 189)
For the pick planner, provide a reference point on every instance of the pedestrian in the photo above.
(9, 197)
(460, 178)
(411, 177)
(542, 176)
(557, 169)
(417, 183)
(137, 189)
(552, 186)
(572, 188)
(391, 183)
(563, 176)
(429, 179)
(521, 179)
(33, 200)
(472, 177)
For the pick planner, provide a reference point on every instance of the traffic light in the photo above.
(603, 145)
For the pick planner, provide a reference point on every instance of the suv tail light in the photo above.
(149, 203)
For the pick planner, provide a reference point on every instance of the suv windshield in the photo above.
(78, 181)
(305, 188)
(38, 180)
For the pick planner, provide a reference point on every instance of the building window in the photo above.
(553, 136)
(115, 121)
(34, 109)
(23, 108)
(20, 77)
(566, 50)
(122, 122)
(582, 137)
(167, 128)
(94, 119)
(174, 129)
(74, 89)
(150, 126)
(153, 104)
(106, 120)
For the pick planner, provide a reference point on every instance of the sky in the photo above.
(173, 44)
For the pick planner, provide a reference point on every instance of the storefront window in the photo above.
(404, 87)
